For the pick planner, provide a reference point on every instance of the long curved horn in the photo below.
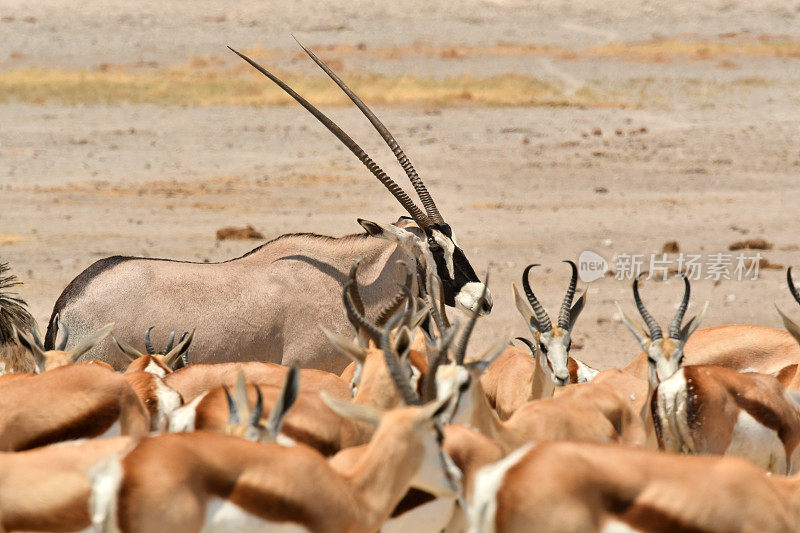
(354, 294)
(416, 213)
(675, 325)
(792, 288)
(652, 325)
(148, 344)
(461, 347)
(541, 314)
(416, 181)
(393, 364)
(564, 313)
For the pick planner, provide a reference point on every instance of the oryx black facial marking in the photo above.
(462, 287)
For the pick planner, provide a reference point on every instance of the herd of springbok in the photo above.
(320, 385)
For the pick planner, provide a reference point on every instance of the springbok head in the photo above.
(554, 339)
(158, 363)
(433, 239)
(246, 423)
(49, 359)
(790, 325)
(664, 355)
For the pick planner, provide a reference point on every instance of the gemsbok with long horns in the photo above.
(267, 304)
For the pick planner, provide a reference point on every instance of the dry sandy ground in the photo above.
(705, 158)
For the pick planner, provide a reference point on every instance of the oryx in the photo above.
(268, 304)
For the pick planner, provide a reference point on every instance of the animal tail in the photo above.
(105, 480)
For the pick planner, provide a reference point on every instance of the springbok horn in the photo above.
(64, 331)
(416, 181)
(148, 344)
(652, 325)
(394, 304)
(541, 314)
(233, 415)
(437, 355)
(675, 325)
(371, 330)
(529, 344)
(461, 347)
(564, 314)
(354, 294)
(416, 213)
(437, 303)
(170, 342)
(393, 364)
(792, 288)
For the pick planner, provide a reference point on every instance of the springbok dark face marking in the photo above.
(664, 355)
(554, 338)
(462, 288)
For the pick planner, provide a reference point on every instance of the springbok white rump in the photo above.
(267, 304)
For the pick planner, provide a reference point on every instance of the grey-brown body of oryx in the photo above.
(267, 305)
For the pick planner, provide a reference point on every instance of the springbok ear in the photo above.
(433, 410)
(352, 411)
(641, 335)
(62, 332)
(90, 342)
(176, 354)
(346, 346)
(240, 396)
(693, 324)
(479, 365)
(577, 308)
(525, 310)
(127, 349)
(790, 326)
(29, 344)
(286, 399)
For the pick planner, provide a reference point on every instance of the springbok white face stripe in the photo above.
(448, 248)
(168, 401)
(155, 369)
(488, 482)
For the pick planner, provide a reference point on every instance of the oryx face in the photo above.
(461, 285)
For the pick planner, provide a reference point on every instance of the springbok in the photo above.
(744, 347)
(14, 314)
(310, 421)
(159, 363)
(717, 410)
(67, 403)
(49, 359)
(215, 482)
(240, 307)
(571, 487)
(48, 489)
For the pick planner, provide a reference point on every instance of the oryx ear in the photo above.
(525, 310)
(176, 354)
(790, 326)
(353, 411)
(346, 346)
(693, 324)
(390, 232)
(641, 335)
(127, 349)
(90, 342)
(29, 344)
(577, 308)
